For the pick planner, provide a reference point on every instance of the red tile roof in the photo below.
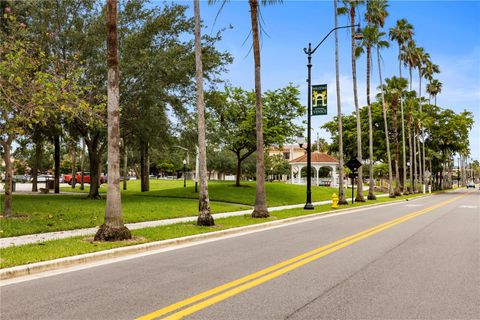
(316, 157)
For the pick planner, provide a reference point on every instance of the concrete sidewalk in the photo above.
(41, 237)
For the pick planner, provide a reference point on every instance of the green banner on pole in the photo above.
(319, 99)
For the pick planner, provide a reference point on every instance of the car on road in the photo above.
(78, 178)
(470, 185)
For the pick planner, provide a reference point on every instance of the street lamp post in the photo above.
(184, 175)
(309, 52)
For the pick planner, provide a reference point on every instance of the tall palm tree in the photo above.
(260, 210)
(402, 33)
(375, 15)
(350, 7)
(113, 228)
(428, 70)
(385, 122)
(204, 216)
(409, 60)
(341, 191)
(434, 88)
(394, 90)
(410, 101)
(366, 46)
(421, 58)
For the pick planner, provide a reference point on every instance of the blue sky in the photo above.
(448, 30)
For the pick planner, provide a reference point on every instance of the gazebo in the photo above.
(319, 160)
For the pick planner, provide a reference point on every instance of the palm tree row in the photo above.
(394, 96)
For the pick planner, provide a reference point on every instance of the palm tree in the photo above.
(409, 60)
(420, 60)
(385, 122)
(402, 33)
(428, 70)
(366, 45)
(350, 7)
(394, 91)
(434, 88)
(375, 15)
(204, 216)
(410, 102)
(260, 210)
(341, 191)
(113, 228)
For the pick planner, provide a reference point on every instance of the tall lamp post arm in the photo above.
(328, 34)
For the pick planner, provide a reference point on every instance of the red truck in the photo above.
(78, 178)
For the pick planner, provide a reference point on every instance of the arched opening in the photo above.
(325, 176)
(303, 174)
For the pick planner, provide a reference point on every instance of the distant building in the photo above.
(297, 158)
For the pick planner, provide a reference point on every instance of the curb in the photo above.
(50, 265)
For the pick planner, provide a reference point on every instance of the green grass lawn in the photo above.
(49, 250)
(47, 213)
(167, 199)
(278, 193)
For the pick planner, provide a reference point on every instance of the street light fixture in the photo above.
(301, 141)
(184, 175)
(309, 52)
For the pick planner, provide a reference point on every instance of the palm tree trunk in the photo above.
(422, 150)
(423, 161)
(371, 185)
(113, 228)
(341, 191)
(359, 197)
(387, 140)
(395, 141)
(204, 216)
(410, 152)
(404, 155)
(404, 152)
(420, 169)
(260, 210)
(410, 73)
(415, 166)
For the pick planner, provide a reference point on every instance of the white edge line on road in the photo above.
(170, 247)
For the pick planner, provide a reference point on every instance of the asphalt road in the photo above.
(424, 265)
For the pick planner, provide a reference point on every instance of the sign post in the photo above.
(319, 99)
(353, 164)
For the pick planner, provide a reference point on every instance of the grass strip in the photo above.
(48, 213)
(49, 250)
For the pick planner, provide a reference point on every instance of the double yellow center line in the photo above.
(235, 287)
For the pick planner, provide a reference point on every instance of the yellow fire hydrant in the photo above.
(334, 201)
